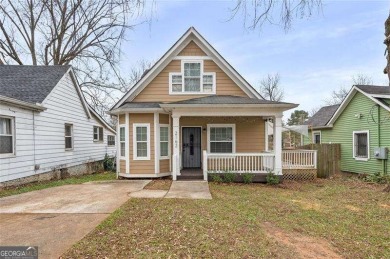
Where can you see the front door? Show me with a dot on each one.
(191, 147)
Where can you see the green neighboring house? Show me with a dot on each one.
(361, 124)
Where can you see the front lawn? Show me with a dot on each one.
(325, 219)
(47, 184)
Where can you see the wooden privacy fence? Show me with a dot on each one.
(328, 158)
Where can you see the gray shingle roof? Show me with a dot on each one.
(29, 83)
(374, 89)
(322, 117)
(140, 105)
(226, 99)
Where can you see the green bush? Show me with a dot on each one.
(272, 179)
(108, 163)
(247, 178)
(377, 178)
(216, 178)
(229, 177)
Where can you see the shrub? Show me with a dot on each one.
(108, 163)
(272, 179)
(247, 178)
(216, 178)
(229, 177)
(377, 178)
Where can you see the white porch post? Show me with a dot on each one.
(176, 147)
(278, 145)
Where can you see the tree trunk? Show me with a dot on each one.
(387, 43)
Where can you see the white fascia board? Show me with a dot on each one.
(134, 110)
(21, 104)
(102, 120)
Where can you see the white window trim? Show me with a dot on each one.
(13, 134)
(98, 134)
(72, 136)
(135, 125)
(169, 141)
(124, 141)
(233, 126)
(368, 145)
(202, 73)
(317, 132)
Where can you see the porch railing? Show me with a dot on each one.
(237, 162)
(299, 159)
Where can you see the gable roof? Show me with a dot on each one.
(31, 84)
(190, 35)
(373, 92)
(321, 118)
(101, 119)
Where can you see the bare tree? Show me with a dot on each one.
(361, 79)
(281, 12)
(86, 34)
(270, 88)
(387, 43)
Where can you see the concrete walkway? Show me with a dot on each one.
(55, 218)
(189, 190)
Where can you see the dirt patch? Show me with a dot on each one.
(353, 208)
(159, 184)
(308, 205)
(386, 206)
(304, 246)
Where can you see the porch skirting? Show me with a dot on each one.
(144, 175)
(257, 178)
(299, 174)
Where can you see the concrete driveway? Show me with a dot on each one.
(54, 219)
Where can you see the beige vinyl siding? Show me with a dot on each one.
(122, 166)
(158, 89)
(122, 119)
(249, 131)
(141, 166)
(164, 166)
(164, 118)
(192, 50)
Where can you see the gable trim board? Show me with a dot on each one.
(349, 97)
(21, 104)
(190, 35)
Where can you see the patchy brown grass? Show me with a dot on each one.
(295, 220)
(159, 184)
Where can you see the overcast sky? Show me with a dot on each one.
(318, 55)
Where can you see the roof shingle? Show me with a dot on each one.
(29, 83)
(374, 89)
(322, 117)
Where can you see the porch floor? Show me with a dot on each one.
(190, 174)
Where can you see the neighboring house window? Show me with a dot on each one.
(192, 79)
(361, 146)
(221, 138)
(110, 140)
(164, 141)
(7, 135)
(97, 133)
(141, 141)
(317, 137)
(68, 136)
(122, 141)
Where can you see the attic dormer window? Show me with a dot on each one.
(192, 79)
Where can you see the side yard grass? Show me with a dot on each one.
(250, 221)
(47, 184)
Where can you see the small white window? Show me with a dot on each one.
(317, 137)
(361, 145)
(97, 133)
(68, 136)
(110, 140)
(221, 138)
(141, 141)
(208, 82)
(164, 141)
(122, 141)
(7, 136)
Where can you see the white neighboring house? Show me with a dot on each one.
(47, 126)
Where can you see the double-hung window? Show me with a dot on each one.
(317, 137)
(192, 79)
(221, 138)
(361, 145)
(68, 136)
(164, 141)
(7, 136)
(110, 140)
(97, 133)
(141, 141)
(122, 141)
